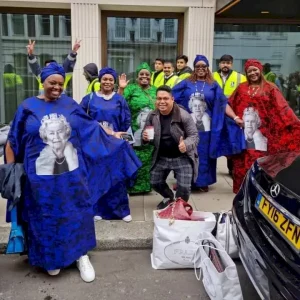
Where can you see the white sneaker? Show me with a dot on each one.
(127, 219)
(53, 272)
(97, 218)
(86, 269)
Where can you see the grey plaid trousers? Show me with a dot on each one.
(183, 170)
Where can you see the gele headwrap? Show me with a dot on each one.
(201, 58)
(143, 66)
(109, 71)
(253, 63)
(52, 68)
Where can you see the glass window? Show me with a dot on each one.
(145, 28)
(120, 27)
(45, 25)
(31, 25)
(18, 24)
(169, 29)
(278, 45)
(142, 40)
(67, 25)
(56, 26)
(18, 79)
(4, 25)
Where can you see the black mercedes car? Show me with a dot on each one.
(266, 214)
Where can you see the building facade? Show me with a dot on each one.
(123, 35)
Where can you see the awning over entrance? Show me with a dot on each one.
(275, 9)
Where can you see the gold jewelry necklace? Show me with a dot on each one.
(254, 91)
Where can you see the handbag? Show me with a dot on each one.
(177, 210)
(225, 234)
(219, 273)
(16, 242)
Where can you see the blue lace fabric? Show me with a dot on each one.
(70, 163)
(221, 137)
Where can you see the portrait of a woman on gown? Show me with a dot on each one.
(59, 156)
(254, 137)
(141, 121)
(198, 107)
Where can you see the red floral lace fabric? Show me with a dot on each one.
(277, 126)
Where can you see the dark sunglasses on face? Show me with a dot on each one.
(198, 67)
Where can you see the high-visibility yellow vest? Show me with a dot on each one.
(159, 80)
(172, 81)
(94, 86)
(41, 87)
(11, 80)
(184, 76)
(232, 82)
(270, 77)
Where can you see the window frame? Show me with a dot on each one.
(105, 14)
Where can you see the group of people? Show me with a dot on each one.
(82, 160)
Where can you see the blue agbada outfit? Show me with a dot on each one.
(70, 163)
(218, 134)
(115, 114)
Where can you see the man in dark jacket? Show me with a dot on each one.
(175, 147)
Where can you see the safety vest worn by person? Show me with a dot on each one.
(270, 77)
(41, 88)
(172, 81)
(94, 86)
(185, 73)
(11, 80)
(232, 82)
(157, 79)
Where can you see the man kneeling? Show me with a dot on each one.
(175, 147)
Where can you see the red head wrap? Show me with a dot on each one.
(253, 63)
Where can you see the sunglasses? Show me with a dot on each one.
(198, 67)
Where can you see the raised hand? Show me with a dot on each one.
(76, 46)
(30, 47)
(123, 81)
(182, 146)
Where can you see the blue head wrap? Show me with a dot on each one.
(109, 71)
(52, 68)
(201, 58)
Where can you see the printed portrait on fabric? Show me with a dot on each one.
(141, 121)
(59, 156)
(198, 106)
(254, 138)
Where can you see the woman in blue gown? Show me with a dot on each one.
(204, 99)
(70, 162)
(111, 111)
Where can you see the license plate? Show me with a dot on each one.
(282, 224)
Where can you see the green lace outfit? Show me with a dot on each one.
(141, 101)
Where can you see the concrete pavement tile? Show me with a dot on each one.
(221, 186)
(136, 201)
(137, 213)
(3, 212)
(213, 202)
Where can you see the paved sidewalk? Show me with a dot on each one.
(138, 234)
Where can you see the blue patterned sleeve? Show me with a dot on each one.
(84, 102)
(102, 153)
(125, 115)
(178, 92)
(16, 136)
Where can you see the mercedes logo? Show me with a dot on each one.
(275, 190)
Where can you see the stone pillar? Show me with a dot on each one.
(199, 30)
(85, 20)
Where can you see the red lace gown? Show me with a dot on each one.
(270, 126)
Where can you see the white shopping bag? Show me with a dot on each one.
(174, 245)
(225, 234)
(219, 285)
